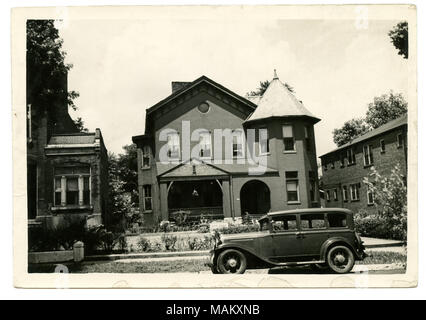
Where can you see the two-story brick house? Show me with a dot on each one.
(67, 170)
(264, 161)
(345, 167)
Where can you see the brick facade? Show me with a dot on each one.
(336, 177)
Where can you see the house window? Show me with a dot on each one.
(288, 138)
(368, 155)
(332, 164)
(147, 198)
(205, 145)
(335, 194)
(263, 141)
(342, 160)
(370, 196)
(292, 184)
(237, 144)
(146, 157)
(173, 146)
(327, 195)
(72, 186)
(400, 140)
(351, 156)
(325, 166)
(354, 189)
(345, 193)
(307, 139)
(382, 146)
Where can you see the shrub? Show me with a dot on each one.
(144, 244)
(201, 244)
(169, 242)
(390, 198)
(370, 225)
(242, 228)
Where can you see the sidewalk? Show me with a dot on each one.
(369, 243)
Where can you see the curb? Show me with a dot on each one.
(112, 257)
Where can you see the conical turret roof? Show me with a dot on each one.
(277, 101)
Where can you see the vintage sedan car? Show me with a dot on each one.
(320, 237)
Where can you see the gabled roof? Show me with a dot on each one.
(250, 105)
(277, 102)
(401, 121)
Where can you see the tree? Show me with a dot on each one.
(79, 123)
(263, 85)
(399, 38)
(127, 170)
(46, 68)
(385, 108)
(349, 131)
(390, 198)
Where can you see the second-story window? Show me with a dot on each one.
(146, 157)
(354, 189)
(368, 155)
(342, 160)
(370, 196)
(237, 144)
(263, 141)
(205, 145)
(351, 156)
(345, 193)
(382, 146)
(335, 194)
(400, 140)
(173, 151)
(288, 137)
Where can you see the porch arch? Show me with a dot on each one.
(255, 198)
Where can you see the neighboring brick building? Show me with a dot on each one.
(199, 183)
(345, 167)
(67, 170)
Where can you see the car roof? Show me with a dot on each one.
(307, 210)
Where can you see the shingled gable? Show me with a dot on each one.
(279, 102)
(203, 79)
(186, 169)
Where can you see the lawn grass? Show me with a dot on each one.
(384, 257)
(189, 265)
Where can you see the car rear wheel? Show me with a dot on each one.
(231, 261)
(340, 259)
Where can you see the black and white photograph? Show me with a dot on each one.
(215, 146)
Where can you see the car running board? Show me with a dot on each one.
(298, 263)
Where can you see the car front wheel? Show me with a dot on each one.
(231, 261)
(340, 259)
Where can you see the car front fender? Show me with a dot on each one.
(243, 248)
(333, 241)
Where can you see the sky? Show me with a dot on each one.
(122, 67)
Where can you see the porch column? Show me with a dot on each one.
(163, 201)
(63, 191)
(80, 190)
(226, 199)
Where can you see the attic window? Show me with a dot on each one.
(203, 107)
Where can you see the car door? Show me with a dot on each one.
(314, 233)
(286, 239)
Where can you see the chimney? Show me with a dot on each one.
(177, 85)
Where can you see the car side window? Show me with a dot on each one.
(336, 220)
(312, 221)
(284, 223)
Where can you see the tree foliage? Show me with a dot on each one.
(46, 67)
(122, 182)
(390, 198)
(399, 38)
(263, 85)
(79, 123)
(385, 108)
(349, 131)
